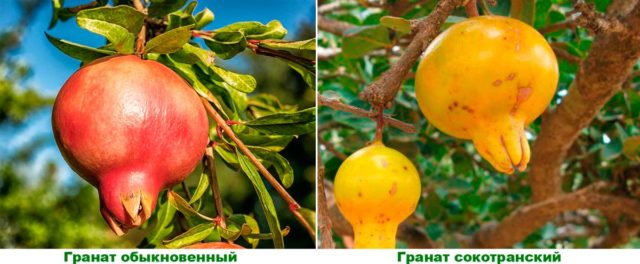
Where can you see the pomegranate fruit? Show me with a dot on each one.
(131, 128)
(376, 188)
(214, 245)
(485, 79)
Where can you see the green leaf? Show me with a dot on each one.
(203, 186)
(164, 224)
(303, 48)
(170, 41)
(192, 236)
(633, 104)
(185, 208)
(160, 8)
(124, 16)
(203, 18)
(265, 199)
(267, 236)
(229, 156)
(226, 44)
(249, 222)
(188, 72)
(308, 75)
(191, 54)
(256, 30)
(360, 41)
(282, 166)
(57, 5)
(106, 21)
(309, 215)
(398, 24)
(182, 17)
(297, 123)
(267, 104)
(524, 10)
(234, 231)
(83, 53)
(271, 142)
(242, 82)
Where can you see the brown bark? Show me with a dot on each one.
(599, 77)
(519, 224)
(337, 105)
(335, 27)
(382, 91)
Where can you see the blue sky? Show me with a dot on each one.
(51, 67)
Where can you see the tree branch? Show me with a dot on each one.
(81, 7)
(335, 27)
(326, 236)
(382, 91)
(215, 188)
(142, 35)
(523, 221)
(593, 86)
(337, 105)
(293, 205)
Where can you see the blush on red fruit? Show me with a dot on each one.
(131, 128)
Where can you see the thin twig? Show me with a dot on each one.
(293, 205)
(331, 149)
(215, 188)
(472, 8)
(142, 35)
(568, 24)
(337, 105)
(185, 189)
(326, 237)
(81, 7)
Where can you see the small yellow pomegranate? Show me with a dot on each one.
(485, 79)
(376, 188)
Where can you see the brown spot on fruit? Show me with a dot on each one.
(511, 76)
(468, 109)
(360, 194)
(523, 94)
(394, 189)
(455, 104)
(404, 168)
(497, 82)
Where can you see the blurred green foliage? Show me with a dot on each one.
(462, 190)
(37, 211)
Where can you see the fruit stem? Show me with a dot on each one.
(472, 8)
(215, 188)
(263, 170)
(142, 35)
(379, 125)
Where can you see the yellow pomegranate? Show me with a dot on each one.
(485, 79)
(376, 188)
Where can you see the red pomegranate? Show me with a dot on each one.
(131, 128)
